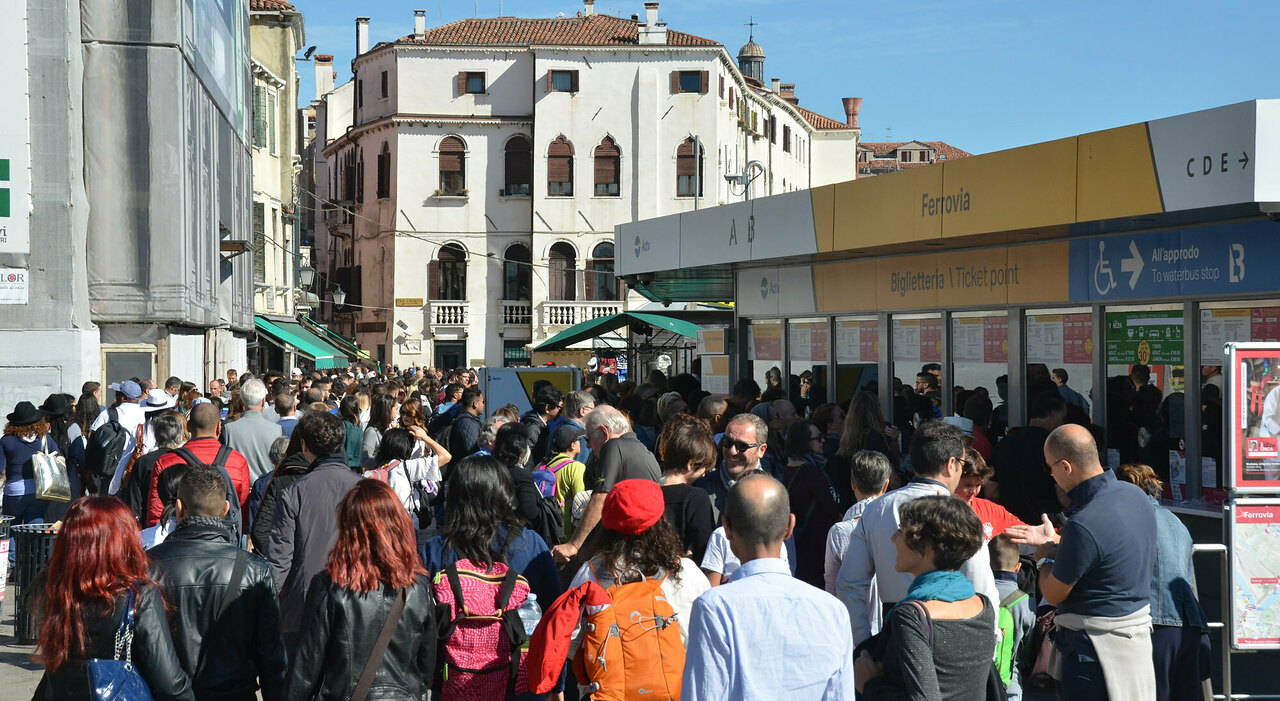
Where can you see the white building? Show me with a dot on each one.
(473, 173)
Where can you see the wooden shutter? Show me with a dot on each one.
(705, 77)
(462, 83)
(519, 163)
(433, 279)
(675, 82)
(550, 83)
(721, 87)
(606, 168)
(573, 81)
(559, 168)
(450, 161)
(590, 283)
(684, 159)
(732, 104)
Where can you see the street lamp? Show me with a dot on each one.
(306, 276)
(339, 296)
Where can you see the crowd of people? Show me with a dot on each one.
(350, 534)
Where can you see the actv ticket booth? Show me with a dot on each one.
(1155, 243)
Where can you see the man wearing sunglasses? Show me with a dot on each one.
(743, 445)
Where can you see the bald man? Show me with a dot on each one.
(1099, 575)
(736, 630)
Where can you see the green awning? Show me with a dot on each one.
(305, 341)
(336, 340)
(598, 327)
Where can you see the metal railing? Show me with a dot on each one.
(1221, 551)
(570, 313)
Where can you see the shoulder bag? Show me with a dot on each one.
(117, 679)
(379, 648)
(52, 483)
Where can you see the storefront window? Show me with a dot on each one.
(808, 350)
(857, 348)
(979, 360)
(917, 367)
(1059, 349)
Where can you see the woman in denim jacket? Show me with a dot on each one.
(1180, 638)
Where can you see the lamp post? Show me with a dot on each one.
(339, 297)
(306, 276)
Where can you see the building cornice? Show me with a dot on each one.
(407, 120)
(261, 71)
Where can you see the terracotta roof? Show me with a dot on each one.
(270, 6)
(818, 121)
(592, 30)
(885, 148)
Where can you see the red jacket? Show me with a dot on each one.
(205, 449)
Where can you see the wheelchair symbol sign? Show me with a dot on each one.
(1103, 279)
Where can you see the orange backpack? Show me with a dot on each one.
(631, 650)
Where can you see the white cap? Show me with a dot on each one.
(297, 372)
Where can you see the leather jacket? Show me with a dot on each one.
(340, 628)
(153, 654)
(194, 567)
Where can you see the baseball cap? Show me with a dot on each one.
(297, 372)
(566, 436)
(128, 388)
(965, 425)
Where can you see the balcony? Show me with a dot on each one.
(338, 219)
(445, 313)
(557, 316)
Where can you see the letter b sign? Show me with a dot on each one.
(1235, 266)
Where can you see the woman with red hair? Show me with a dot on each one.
(96, 560)
(372, 571)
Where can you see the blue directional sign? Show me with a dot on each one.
(1214, 260)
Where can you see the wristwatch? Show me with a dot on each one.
(1043, 561)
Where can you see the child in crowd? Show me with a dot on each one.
(1016, 615)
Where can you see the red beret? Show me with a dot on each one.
(633, 506)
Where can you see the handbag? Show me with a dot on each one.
(117, 679)
(52, 483)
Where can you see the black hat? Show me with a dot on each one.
(25, 414)
(56, 405)
(565, 436)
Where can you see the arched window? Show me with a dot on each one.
(384, 171)
(519, 167)
(453, 163)
(563, 262)
(517, 273)
(447, 275)
(608, 168)
(602, 285)
(560, 168)
(689, 169)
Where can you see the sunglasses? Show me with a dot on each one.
(1048, 467)
(739, 445)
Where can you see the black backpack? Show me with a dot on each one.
(105, 447)
(550, 521)
(232, 519)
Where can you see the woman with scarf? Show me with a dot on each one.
(937, 642)
(813, 500)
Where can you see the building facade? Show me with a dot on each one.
(133, 195)
(473, 174)
(880, 157)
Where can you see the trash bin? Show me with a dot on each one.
(4, 556)
(34, 545)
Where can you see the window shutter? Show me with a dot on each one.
(259, 116)
(356, 295)
(721, 87)
(574, 81)
(450, 161)
(590, 282)
(684, 159)
(675, 82)
(706, 80)
(433, 279)
(462, 84)
(731, 102)
(559, 168)
(550, 82)
(606, 168)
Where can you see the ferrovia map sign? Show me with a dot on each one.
(1254, 547)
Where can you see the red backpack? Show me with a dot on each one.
(482, 658)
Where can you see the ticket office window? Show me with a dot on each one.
(979, 362)
(764, 354)
(857, 349)
(1059, 352)
(1143, 356)
(917, 352)
(808, 353)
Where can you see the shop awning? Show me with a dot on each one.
(306, 342)
(336, 340)
(598, 327)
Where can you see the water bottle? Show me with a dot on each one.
(530, 613)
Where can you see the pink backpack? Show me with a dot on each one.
(482, 657)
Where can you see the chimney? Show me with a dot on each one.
(362, 35)
(851, 107)
(788, 93)
(324, 75)
(588, 8)
(419, 24)
(777, 85)
(652, 32)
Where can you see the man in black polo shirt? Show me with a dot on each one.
(617, 455)
(1099, 576)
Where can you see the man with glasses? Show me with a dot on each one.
(547, 402)
(743, 446)
(619, 456)
(937, 455)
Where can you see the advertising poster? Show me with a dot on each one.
(1253, 422)
(767, 340)
(1255, 573)
(857, 342)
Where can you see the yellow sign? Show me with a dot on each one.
(409, 301)
(1144, 352)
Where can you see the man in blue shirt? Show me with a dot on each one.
(737, 631)
(1099, 576)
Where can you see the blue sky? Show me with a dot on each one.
(982, 75)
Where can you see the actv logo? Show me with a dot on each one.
(642, 246)
(767, 288)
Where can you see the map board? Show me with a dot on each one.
(1254, 548)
